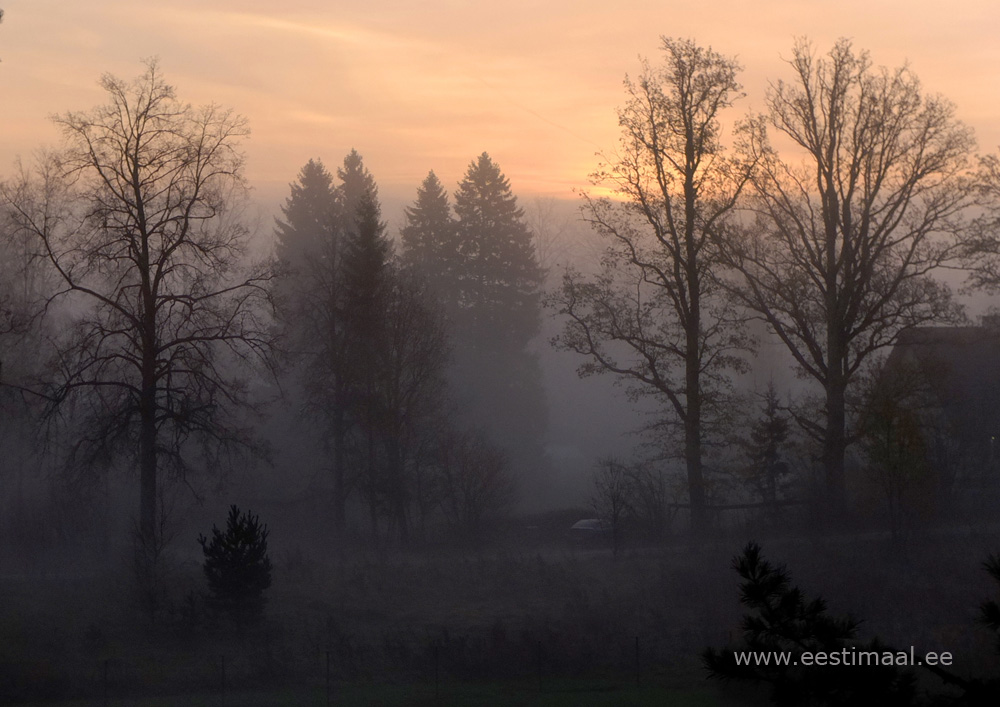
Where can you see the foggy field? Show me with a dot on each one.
(549, 626)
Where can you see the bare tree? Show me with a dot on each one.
(476, 481)
(139, 218)
(655, 499)
(411, 388)
(981, 249)
(614, 497)
(845, 245)
(655, 315)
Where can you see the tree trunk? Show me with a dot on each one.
(834, 444)
(147, 463)
(339, 485)
(692, 455)
(692, 424)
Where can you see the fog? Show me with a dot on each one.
(338, 420)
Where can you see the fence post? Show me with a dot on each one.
(637, 668)
(223, 681)
(105, 682)
(436, 653)
(538, 662)
(328, 679)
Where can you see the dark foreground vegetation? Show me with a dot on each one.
(548, 624)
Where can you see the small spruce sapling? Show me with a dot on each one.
(237, 567)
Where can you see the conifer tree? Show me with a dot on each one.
(783, 621)
(496, 314)
(307, 217)
(237, 566)
(429, 240)
(500, 277)
(311, 298)
(367, 277)
(767, 471)
(356, 183)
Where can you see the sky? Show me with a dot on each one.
(420, 86)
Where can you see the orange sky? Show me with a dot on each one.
(415, 86)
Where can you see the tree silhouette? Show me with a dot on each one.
(429, 241)
(656, 316)
(311, 302)
(495, 314)
(843, 250)
(500, 277)
(139, 218)
(768, 471)
(237, 566)
(784, 621)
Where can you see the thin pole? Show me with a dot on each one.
(328, 679)
(437, 673)
(637, 671)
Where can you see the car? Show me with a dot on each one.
(590, 530)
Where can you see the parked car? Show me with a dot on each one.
(590, 530)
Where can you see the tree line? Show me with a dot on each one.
(138, 331)
(128, 269)
(375, 338)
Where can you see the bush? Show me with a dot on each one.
(237, 567)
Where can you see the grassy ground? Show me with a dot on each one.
(511, 694)
(489, 624)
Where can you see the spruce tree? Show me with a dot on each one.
(307, 217)
(429, 244)
(311, 309)
(356, 184)
(367, 273)
(500, 277)
(497, 313)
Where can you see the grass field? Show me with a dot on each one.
(549, 625)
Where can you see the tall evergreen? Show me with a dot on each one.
(429, 240)
(497, 313)
(367, 264)
(307, 217)
(356, 184)
(500, 277)
(311, 297)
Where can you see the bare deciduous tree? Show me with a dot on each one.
(476, 481)
(845, 245)
(655, 315)
(614, 496)
(139, 218)
(981, 249)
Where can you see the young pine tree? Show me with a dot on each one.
(782, 621)
(237, 567)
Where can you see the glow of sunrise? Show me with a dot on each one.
(427, 86)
